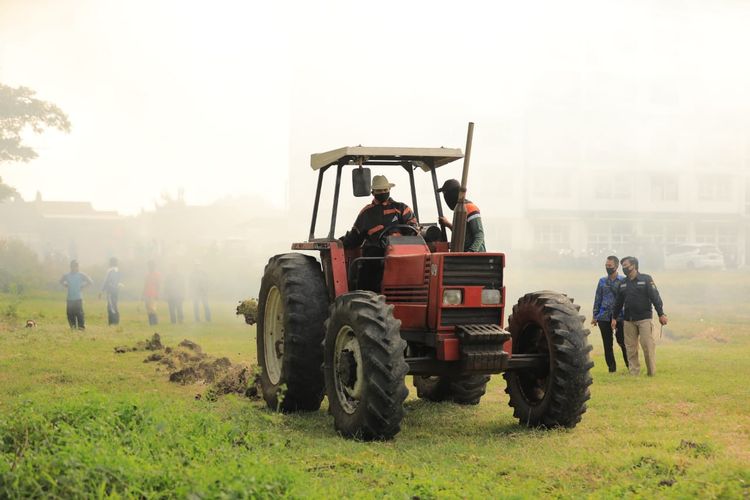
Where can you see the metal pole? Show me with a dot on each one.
(458, 235)
(408, 168)
(335, 202)
(317, 202)
(435, 188)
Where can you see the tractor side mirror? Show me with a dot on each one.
(361, 182)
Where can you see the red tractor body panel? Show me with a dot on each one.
(406, 283)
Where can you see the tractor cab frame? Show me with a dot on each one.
(341, 266)
(427, 159)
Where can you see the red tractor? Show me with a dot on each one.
(438, 317)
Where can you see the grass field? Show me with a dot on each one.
(78, 420)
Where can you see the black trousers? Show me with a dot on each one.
(75, 314)
(605, 327)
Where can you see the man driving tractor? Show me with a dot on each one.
(371, 222)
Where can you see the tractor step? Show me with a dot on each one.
(482, 335)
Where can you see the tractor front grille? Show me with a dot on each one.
(473, 270)
(470, 316)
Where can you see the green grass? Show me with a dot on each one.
(78, 420)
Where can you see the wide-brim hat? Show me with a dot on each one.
(381, 182)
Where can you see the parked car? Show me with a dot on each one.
(694, 256)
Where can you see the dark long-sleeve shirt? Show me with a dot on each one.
(636, 296)
(374, 218)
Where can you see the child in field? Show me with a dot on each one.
(75, 281)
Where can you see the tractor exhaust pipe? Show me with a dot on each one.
(458, 235)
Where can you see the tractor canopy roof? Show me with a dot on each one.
(424, 158)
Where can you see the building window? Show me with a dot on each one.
(609, 237)
(652, 232)
(664, 188)
(675, 233)
(552, 235)
(714, 188)
(550, 185)
(716, 234)
(610, 188)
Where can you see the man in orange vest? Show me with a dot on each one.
(474, 241)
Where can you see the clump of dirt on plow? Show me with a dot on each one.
(188, 364)
(249, 309)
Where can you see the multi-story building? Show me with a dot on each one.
(594, 193)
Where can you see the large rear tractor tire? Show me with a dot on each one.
(364, 367)
(292, 309)
(463, 390)
(554, 395)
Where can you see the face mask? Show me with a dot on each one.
(626, 270)
(381, 197)
(610, 270)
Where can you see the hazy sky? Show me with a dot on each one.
(220, 97)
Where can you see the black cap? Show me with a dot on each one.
(450, 185)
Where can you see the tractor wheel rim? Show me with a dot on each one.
(348, 370)
(535, 386)
(273, 333)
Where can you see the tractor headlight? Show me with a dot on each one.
(452, 297)
(490, 296)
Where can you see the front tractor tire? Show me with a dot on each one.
(364, 367)
(463, 389)
(292, 309)
(555, 394)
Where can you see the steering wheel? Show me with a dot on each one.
(391, 229)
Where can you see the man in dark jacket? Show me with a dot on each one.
(372, 222)
(474, 240)
(637, 293)
(604, 301)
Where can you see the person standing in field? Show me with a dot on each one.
(75, 281)
(199, 292)
(111, 288)
(604, 302)
(151, 292)
(636, 294)
(174, 290)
